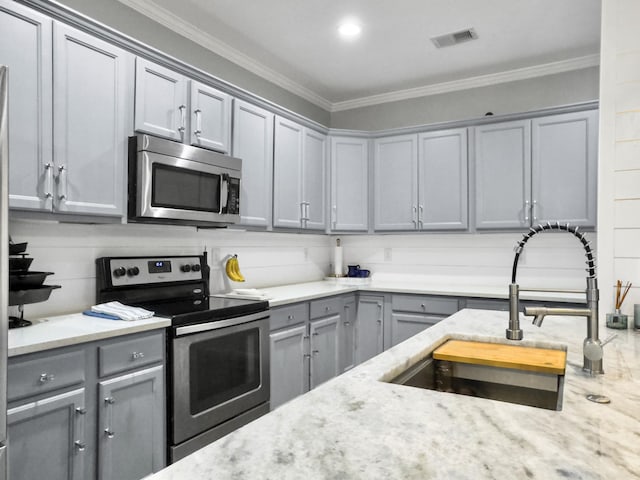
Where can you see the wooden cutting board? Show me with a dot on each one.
(542, 360)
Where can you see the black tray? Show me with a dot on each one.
(19, 264)
(31, 295)
(24, 280)
(16, 248)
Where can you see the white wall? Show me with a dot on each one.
(549, 260)
(619, 174)
(70, 250)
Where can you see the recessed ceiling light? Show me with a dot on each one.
(349, 29)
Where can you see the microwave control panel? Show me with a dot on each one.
(233, 197)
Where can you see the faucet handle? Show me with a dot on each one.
(593, 349)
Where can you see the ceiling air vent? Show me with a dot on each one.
(454, 38)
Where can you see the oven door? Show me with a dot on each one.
(179, 189)
(220, 370)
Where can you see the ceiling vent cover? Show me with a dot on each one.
(454, 38)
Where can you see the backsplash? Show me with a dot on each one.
(550, 260)
(70, 250)
(268, 259)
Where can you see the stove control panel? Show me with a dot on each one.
(128, 271)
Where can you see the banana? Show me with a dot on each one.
(232, 269)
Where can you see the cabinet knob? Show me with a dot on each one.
(137, 355)
(110, 400)
(315, 352)
(79, 446)
(327, 309)
(81, 411)
(290, 317)
(109, 433)
(379, 321)
(46, 378)
(422, 306)
(346, 324)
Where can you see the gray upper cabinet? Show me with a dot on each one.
(30, 104)
(314, 158)
(503, 175)
(349, 184)
(395, 186)
(72, 87)
(210, 118)
(92, 112)
(298, 176)
(442, 180)
(253, 143)
(564, 168)
(538, 170)
(161, 101)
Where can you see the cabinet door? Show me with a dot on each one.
(210, 118)
(395, 186)
(368, 331)
(347, 334)
(406, 325)
(253, 143)
(161, 101)
(442, 180)
(131, 433)
(314, 157)
(564, 168)
(92, 105)
(48, 439)
(289, 365)
(25, 47)
(349, 184)
(325, 346)
(287, 174)
(503, 175)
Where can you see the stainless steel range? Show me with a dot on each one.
(217, 348)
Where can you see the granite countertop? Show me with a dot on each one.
(358, 427)
(64, 330)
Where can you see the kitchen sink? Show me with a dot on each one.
(520, 384)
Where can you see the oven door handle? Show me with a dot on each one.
(218, 324)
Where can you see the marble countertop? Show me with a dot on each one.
(356, 426)
(64, 330)
(285, 294)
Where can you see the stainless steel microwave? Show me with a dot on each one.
(179, 184)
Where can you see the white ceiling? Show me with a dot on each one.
(295, 43)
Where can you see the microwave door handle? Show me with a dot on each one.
(224, 192)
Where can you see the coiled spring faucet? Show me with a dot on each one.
(592, 346)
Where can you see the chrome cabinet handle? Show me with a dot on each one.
(46, 378)
(183, 118)
(198, 114)
(526, 210)
(414, 209)
(109, 401)
(62, 182)
(137, 355)
(334, 216)
(315, 352)
(534, 213)
(48, 184)
(302, 214)
(79, 445)
(420, 212)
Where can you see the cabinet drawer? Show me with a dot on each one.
(290, 315)
(130, 354)
(325, 307)
(28, 376)
(421, 304)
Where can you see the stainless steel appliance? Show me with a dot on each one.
(218, 348)
(179, 184)
(4, 265)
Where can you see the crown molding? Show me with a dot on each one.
(472, 82)
(162, 16)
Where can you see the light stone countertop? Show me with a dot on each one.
(358, 427)
(64, 330)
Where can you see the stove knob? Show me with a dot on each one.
(119, 272)
(133, 271)
(195, 267)
(185, 268)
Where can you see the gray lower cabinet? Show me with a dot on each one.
(325, 347)
(369, 327)
(131, 417)
(48, 435)
(348, 333)
(95, 410)
(413, 313)
(289, 366)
